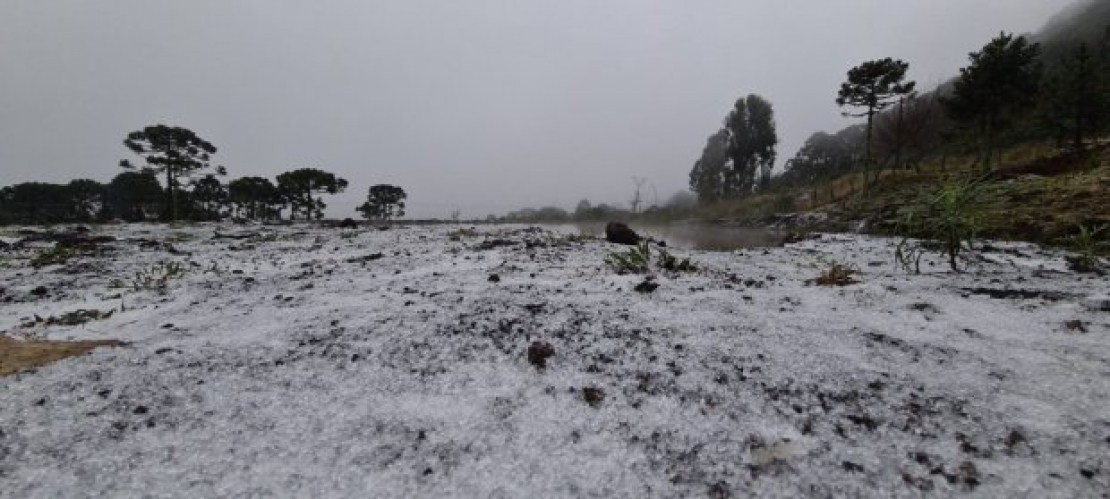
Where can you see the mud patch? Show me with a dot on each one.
(17, 356)
(1018, 294)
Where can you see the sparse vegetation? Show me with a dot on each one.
(180, 237)
(1088, 247)
(637, 260)
(838, 274)
(671, 263)
(261, 237)
(459, 234)
(946, 221)
(154, 278)
(57, 255)
(570, 239)
(74, 318)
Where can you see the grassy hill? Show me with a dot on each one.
(1038, 192)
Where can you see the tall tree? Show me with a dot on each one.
(1076, 95)
(298, 187)
(86, 198)
(384, 202)
(752, 142)
(823, 157)
(254, 197)
(911, 133)
(582, 210)
(37, 203)
(133, 196)
(177, 152)
(997, 88)
(211, 196)
(708, 176)
(872, 87)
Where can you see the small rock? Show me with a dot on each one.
(539, 352)
(494, 278)
(619, 233)
(1075, 325)
(969, 474)
(496, 243)
(719, 490)
(39, 291)
(593, 396)
(646, 287)
(925, 307)
(367, 258)
(853, 467)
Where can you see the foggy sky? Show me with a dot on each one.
(482, 105)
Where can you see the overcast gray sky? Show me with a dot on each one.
(482, 105)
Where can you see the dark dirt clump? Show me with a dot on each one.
(593, 396)
(539, 352)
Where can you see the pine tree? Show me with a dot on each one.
(996, 90)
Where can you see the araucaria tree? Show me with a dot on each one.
(298, 187)
(384, 202)
(872, 87)
(134, 196)
(177, 152)
(997, 89)
(752, 142)
(210, 195)
(254, 198)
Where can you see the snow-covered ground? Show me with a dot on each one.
(314, 362)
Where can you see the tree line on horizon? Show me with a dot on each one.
(181, 158)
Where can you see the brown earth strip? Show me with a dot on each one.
(17, 355)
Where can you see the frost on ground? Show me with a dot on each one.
(304, 361)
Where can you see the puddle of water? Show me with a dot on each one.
(687, 236)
